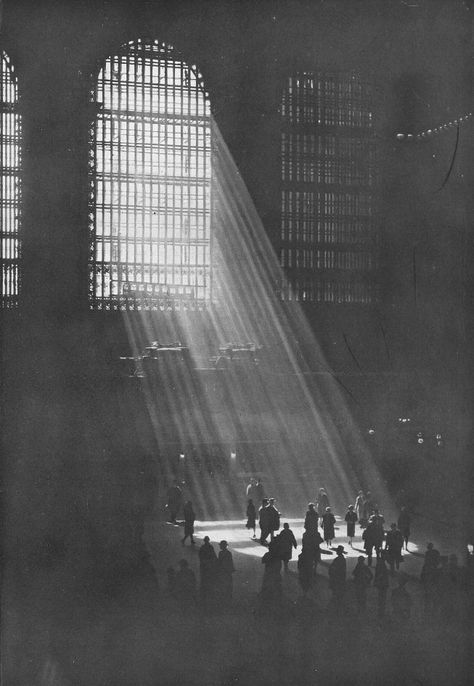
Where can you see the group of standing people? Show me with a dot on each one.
(215, 578)
(441, 578)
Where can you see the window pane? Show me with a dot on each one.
(328, 237)
(152, 180)
(10, 136)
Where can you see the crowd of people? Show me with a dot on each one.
(215, 578)
(444, 582)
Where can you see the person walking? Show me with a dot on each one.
(378, 521)
(404, 523)
(184, 589)
(207, 567)
(362, 579)
(393, 547)
(286, 542)
(432, 556)
(322, 502)
(259, 492)
(175, 498)
(350, 519)
(251, 491)
(311, 520)
(369, 537)
(251, 517)
(264, 521)
(311, 548)
(381, 583)
(305, 569)
(329, 521)
(359, 508)
(225, 569)
(271, 591)
(273, 518)
(401, 602)
(429, 578)
(369, 506)
(337, 578)
(189, 519)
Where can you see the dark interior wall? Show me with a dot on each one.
(59, 411)
(417, 59)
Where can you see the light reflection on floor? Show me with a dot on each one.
(240, 539)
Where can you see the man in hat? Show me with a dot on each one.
(225, 569)
(264, 521)
(337, 578)
(207, 565)
(273, 517)
(185, 585)
(393, 547)
(173, 505)
(362, 578)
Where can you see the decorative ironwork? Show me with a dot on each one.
(10, 164)
(328, 239)
(150, 171)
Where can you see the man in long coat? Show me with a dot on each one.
(263, 521)
(337, 578)
(225, 569)
(273, 517)
(207, 566)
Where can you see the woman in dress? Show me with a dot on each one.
(251, 517)
(323, 502)
(189, 518)
(329, 521)
(311, 520)
(350, 519)
(359, 507)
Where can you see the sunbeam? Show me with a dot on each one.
(231, 378)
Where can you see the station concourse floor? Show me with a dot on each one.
(130, 631)
(239, 646)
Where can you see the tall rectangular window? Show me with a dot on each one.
(150, 182)
(327, 189)
(10, 140)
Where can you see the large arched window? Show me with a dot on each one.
(10, 194)
(150, 182)
(328, 224)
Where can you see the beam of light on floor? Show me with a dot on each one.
(287, 418)
(240, 541)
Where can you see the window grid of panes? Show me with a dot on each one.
(151, 182)
(10, 162)
(328, 240)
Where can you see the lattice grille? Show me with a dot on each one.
(151, 182)
(10, 163)
(328, 243)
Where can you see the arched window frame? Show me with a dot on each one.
(10, 192)
(188, 254)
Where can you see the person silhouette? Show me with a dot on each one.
(350, 519)
(362, 578)
(189, 519)
(207, 567)
(286, 542)
(337, 578)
